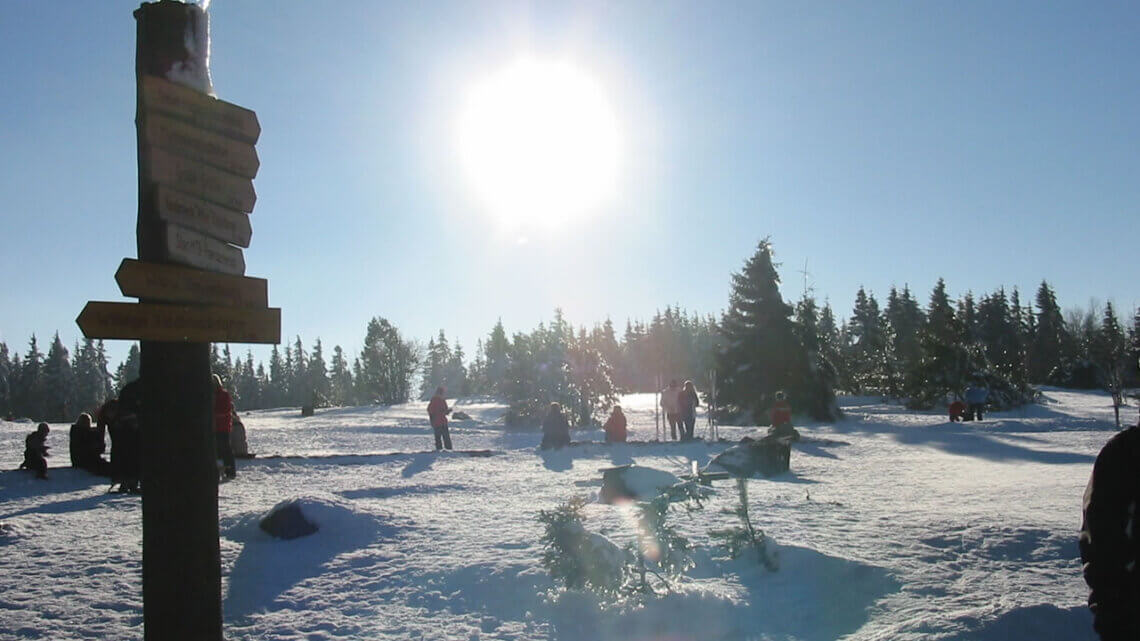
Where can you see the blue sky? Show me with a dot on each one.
(992, 144)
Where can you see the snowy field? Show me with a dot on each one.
(891, 525)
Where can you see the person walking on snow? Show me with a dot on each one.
(223, 424)
(687, 402)
(1110, 538)
(670, 398)
(615, 426)
(438, 410)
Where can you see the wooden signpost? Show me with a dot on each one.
(196, 168)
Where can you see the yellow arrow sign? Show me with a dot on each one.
(174, 284)
(180, 323)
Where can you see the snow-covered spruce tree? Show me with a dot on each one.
(58, 384)
(387, 364)
(761, 352)
(577, 558)
(661, 552)
(746, 538)
(1047, 349)
(945, 363)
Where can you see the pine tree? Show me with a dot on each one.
(1048, 347)
(1111, 350)
(867, 353)
(58, 383)
(762, 353)
(340, 380)
(6, 380)
(273, 393)
(318, 374)
(945, 363)
(497, 352)
(387, 364)
(128, 370)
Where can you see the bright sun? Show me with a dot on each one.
(539, 143)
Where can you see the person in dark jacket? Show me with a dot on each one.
(126, 439)
(615, 426)
(687, 402)
(555, 428)
(1110, 538)
(86, 446)
(36, 451)
(223, 424)
(438, 410)
(976, 396)
(956, 410)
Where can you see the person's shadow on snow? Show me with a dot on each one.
(419, 463)
(556, 460)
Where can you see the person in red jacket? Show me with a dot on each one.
(223, 424)
(615, 426)
(780, 418)
(957, 409)
(438, 410)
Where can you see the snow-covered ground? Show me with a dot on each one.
(891, 525)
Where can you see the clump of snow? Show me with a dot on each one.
(634, 482)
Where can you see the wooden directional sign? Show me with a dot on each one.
(180, 323)
(188, 247)
(174, 284)
(201, 145)
(203, 181)
(198, 109)
(210, 219)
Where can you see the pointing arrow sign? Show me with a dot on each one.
(214, 185)
(216, 222)
(171, 283)
(199, 109)
(180, 323)
(203, 146)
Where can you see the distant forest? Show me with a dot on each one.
(921, 354)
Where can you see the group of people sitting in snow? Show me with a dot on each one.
(119, 419)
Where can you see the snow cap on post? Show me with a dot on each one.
(180, 57)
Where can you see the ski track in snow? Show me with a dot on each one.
(892, 524)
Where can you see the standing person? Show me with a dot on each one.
(1110, 538)
(670, 399)
(438, 410)
(687, 402)
(238, 442)
(555, 429)
(976, 395)
(36, 451)
(126, 439)
(223, 424)
(615, 426)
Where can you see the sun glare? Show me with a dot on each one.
(539, 143)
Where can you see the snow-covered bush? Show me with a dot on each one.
(577, 558)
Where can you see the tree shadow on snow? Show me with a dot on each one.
(1043, 622)
(419, 463)
(985, 446)
(559, 460)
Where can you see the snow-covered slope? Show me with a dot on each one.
(891, 525)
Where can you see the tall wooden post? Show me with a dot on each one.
(181, 555)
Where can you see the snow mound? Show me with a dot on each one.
(634, 482)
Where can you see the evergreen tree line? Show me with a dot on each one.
(923, 354)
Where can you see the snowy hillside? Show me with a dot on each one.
(891, 525)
